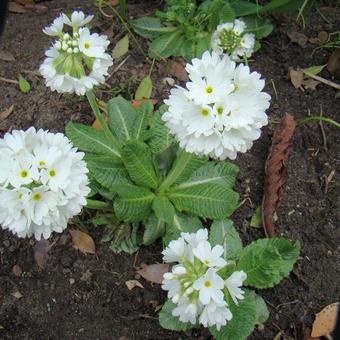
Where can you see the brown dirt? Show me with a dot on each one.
(85, 297)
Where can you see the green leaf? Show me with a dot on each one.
(122, 116)
(24, 85)
(150, 27)
(121, 48)
(314, 69)
(106, 171)
(268, 261)
(202, 45)
(220, 173)
(168, 321)
(138, 161)
(181, 223)
(185, 164)
(154, 228)
(91, 140)
(262, 312)
(163, 208)
(142, 120)
(161, 137)
(166, 45)
(224, 233)
(132, 242)
(243, 8)
(261, 27)
(165, 159)
(256, 219)
(133, 204)
(144, 89)
(243, 322)
(209, 200)
(187, 50)
(227, 13)
(275, 6)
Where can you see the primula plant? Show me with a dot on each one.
(186, 27)
(210, 283)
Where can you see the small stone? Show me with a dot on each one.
(17, 271)
(72, 281)
(86, 276)
(168, 81)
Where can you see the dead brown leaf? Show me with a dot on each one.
(325, 321)
(6, 56)
(176, 68)
(296, 77)
(4, 114)
(25, 2)
(96, 125)
(132, 284)
(276, 171)
(322, 37)
(40, 252)
(83, 242)
(299, 38)
(310, 84)
(14, 7)
(154, 272)
(16, 270)
(114, 2)
(136, 103)
(17, 295)
(333, 64)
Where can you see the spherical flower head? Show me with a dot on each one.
(233, 284)
(221, 110)
(230, 39)
(78, 60)
(43, 184)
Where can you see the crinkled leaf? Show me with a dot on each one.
(154, 228)
(131, 243)
(138, 161)
(165, 159)
(166, 45)
(243, 322)
(224, 233)
(261, 27)
(133, 203)
(150, 27)
(268, 261)
(209, 200)
(168, 321)
(163, 208)
(122, 117)
(243, 7)
(91, 140)
(142, 120)
(144, 89)
(262, 312)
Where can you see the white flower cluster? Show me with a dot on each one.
(43, 182)
(221, 110)
(229, 38)
(194, 283)
(77, 60)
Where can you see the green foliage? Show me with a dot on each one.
(147, 180)
(24, 85)
(185, 28)
(262, 312)
(121, 48)
(144, 89)
(268, 261)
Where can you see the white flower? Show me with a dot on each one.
(215, 314)
(187, 311)
(77, 61)
(194, 239)
(230, 39)
(172, 285)
(56, 28)
(44, 186)
(233, 284)
(210, 287)
(221, 111)
(210, 257)
(77, 20)
(175, 251)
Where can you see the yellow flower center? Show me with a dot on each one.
(20, 195)
(52, 173)
(205, 112)
(207, 284)
(36, 197)
(220, 110)
(42, 163)
(24, 173)
(209, 89)
(87, 45)
(206, 262)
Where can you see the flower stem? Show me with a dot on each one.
(99, 205)
(109, 135)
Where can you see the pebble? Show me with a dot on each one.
(72, 281)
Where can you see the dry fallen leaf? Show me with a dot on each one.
(298, 37)
(133, 283)
(17, 295)
(6, 56)
(96, 125)
(114, 2)
(136, 103)
(325, 321)
(40, 252)
(4, 114)
(296, 77)
(17, 271)
(176, 68)
(154, 272)
(83, 242)
(322, 37)
(333, 64)
(14, 7)
(276, 171)
(25, 2)
(310, 84)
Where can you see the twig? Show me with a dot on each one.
(11, 81)
(322, 80)
(328, 180)
(118, 67)
(323, 130)
(146, 316)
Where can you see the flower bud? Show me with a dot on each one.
(189, 291)
(176, 298)
(76, 35)
(179, 270)
(187, 284)
(74, 43)
(69, 43)
(168, 276)
(76, 50)
(57, 45)
(66, 36)
(64, 46)
(69, 50)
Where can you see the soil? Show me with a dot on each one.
(81, 296)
